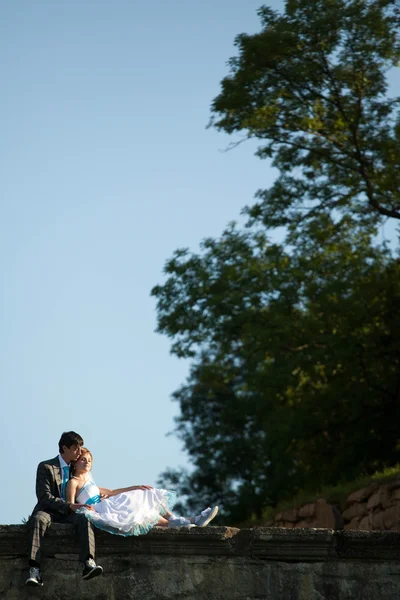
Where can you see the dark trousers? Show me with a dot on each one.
(41, 520)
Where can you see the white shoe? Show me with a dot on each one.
(205, 516)
(34, 578)
(91, 569)
(179, 522)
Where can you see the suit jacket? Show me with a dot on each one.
(48, 488)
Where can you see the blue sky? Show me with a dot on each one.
(106, 168)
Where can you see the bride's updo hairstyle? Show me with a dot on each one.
(83, 451)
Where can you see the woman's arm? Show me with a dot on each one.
(70, 491)
(107, 492)
(70, 494)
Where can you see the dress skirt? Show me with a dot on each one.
(131, 513)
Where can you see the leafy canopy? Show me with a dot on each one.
(295, 377)
(296, 363)
(312, 87)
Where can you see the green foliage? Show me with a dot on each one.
(295, 376)
(311, 86)
(296, 362)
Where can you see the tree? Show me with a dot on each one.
(296, 363)
(295, 378)
(312, 87)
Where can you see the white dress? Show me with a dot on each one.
(129, 513)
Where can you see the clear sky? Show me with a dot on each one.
(106, 168)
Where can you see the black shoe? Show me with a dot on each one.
(91, 569)
(34, 578)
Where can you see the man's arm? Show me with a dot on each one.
(44, 493)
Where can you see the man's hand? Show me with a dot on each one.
(75, 507)
(143, 487)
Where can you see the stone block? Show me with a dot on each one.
(304, 524)
(290, 515)
(353, 525)
(379, 499)
(288, 524)
(365, 523)
(355, 510)
(377, 521)
(362, 495)
(313, 523)
(308, 510)
(391, 517)
(395, 495)
(325, 515)
(394, 484)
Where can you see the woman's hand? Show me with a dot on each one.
(75, 507)
(142, 487)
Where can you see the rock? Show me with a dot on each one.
(365, 523)
(355, 510)
(377, 521)
(290, 515)
(288, 524)
(308, 510)
(394, 484)
(380, 498)
(313, 523)
(354, 523)
(324, 514)
(362, 495)
(304, 524)
(395, 495)
(391, 517)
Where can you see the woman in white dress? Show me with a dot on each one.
(126, 511)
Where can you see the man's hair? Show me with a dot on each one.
(69, 438)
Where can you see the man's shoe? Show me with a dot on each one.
(34, 578)
(179, 522)
(91, 569)
(205, 516)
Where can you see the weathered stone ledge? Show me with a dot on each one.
(271, 543)
(210, 563)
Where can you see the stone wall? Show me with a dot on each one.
(211, 563)
(375, 507)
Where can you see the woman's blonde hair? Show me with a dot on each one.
(83, 451)
(86, 451)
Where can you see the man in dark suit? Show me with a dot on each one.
(51, 481)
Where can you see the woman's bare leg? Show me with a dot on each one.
(167, 515)
(162, 522)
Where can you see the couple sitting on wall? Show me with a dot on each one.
(66, 493)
